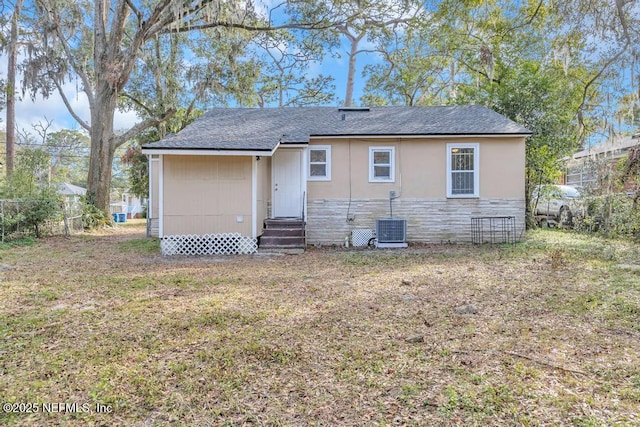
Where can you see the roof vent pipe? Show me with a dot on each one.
(343, 116)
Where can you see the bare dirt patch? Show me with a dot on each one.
(431, 335)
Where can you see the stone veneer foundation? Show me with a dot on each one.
(428, 220)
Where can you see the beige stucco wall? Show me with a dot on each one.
(206, 194)
(420, 168)
(350, 201)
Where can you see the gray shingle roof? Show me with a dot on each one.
(608, 147)
(259, 129)
(67, 189)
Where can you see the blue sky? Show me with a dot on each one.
(30, 112)
(52, 109)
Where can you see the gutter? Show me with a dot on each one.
(423, 136)
(210, 151)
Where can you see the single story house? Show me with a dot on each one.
(230, 177)
(72, 193)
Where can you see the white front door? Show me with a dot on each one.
(287, 183)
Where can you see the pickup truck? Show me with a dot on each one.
(558, 203)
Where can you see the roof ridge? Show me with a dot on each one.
(264, 128)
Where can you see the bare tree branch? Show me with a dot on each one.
(42, 129)
(118, 140)
(117, 27)
(67, 104)
(625, 30)
(70, 58)
(529, 21)
(136, 11)
(357, 52)
(136, 101)
(226, 24)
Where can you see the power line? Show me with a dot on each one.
(43, 146)
(49, 150)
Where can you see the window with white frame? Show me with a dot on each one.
(381, 164)
(462, 170)
(320, 163)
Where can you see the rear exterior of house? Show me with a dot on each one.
(235, 174)
(202, 195)
(423, 176)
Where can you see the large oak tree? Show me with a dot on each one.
(99, 43)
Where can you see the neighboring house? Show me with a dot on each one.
(129, 204)
(337, 170)
(135, 205)
(73, 206)
(589, 168)
(71, 193)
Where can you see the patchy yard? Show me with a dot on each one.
(545, 332)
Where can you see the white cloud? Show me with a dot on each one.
(125, 120)
(30, 112)
(264, 7)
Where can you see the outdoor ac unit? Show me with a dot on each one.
(391, 232)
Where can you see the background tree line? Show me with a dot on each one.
(567, 70)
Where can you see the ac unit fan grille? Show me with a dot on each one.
(391, 230)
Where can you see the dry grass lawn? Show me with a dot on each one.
(545, 332)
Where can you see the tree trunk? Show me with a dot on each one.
(348, 99)
(11, 88)
(103, 104)
(102, 148)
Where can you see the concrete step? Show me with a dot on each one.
(280, 251)
(283, 223)
(282, 242)
(283, 232)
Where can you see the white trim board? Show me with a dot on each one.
(254, 197)
(183, 152)
(160, 196)
(399, 136)
(152, 185)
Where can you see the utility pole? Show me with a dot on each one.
(11, 86)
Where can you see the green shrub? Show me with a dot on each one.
(28, 198)
(28, 216)
(92, 217)
(41, 210)
(614, 215)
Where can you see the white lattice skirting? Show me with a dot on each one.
(361, 236)
(208, 244)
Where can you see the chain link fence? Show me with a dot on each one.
(21, 218)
